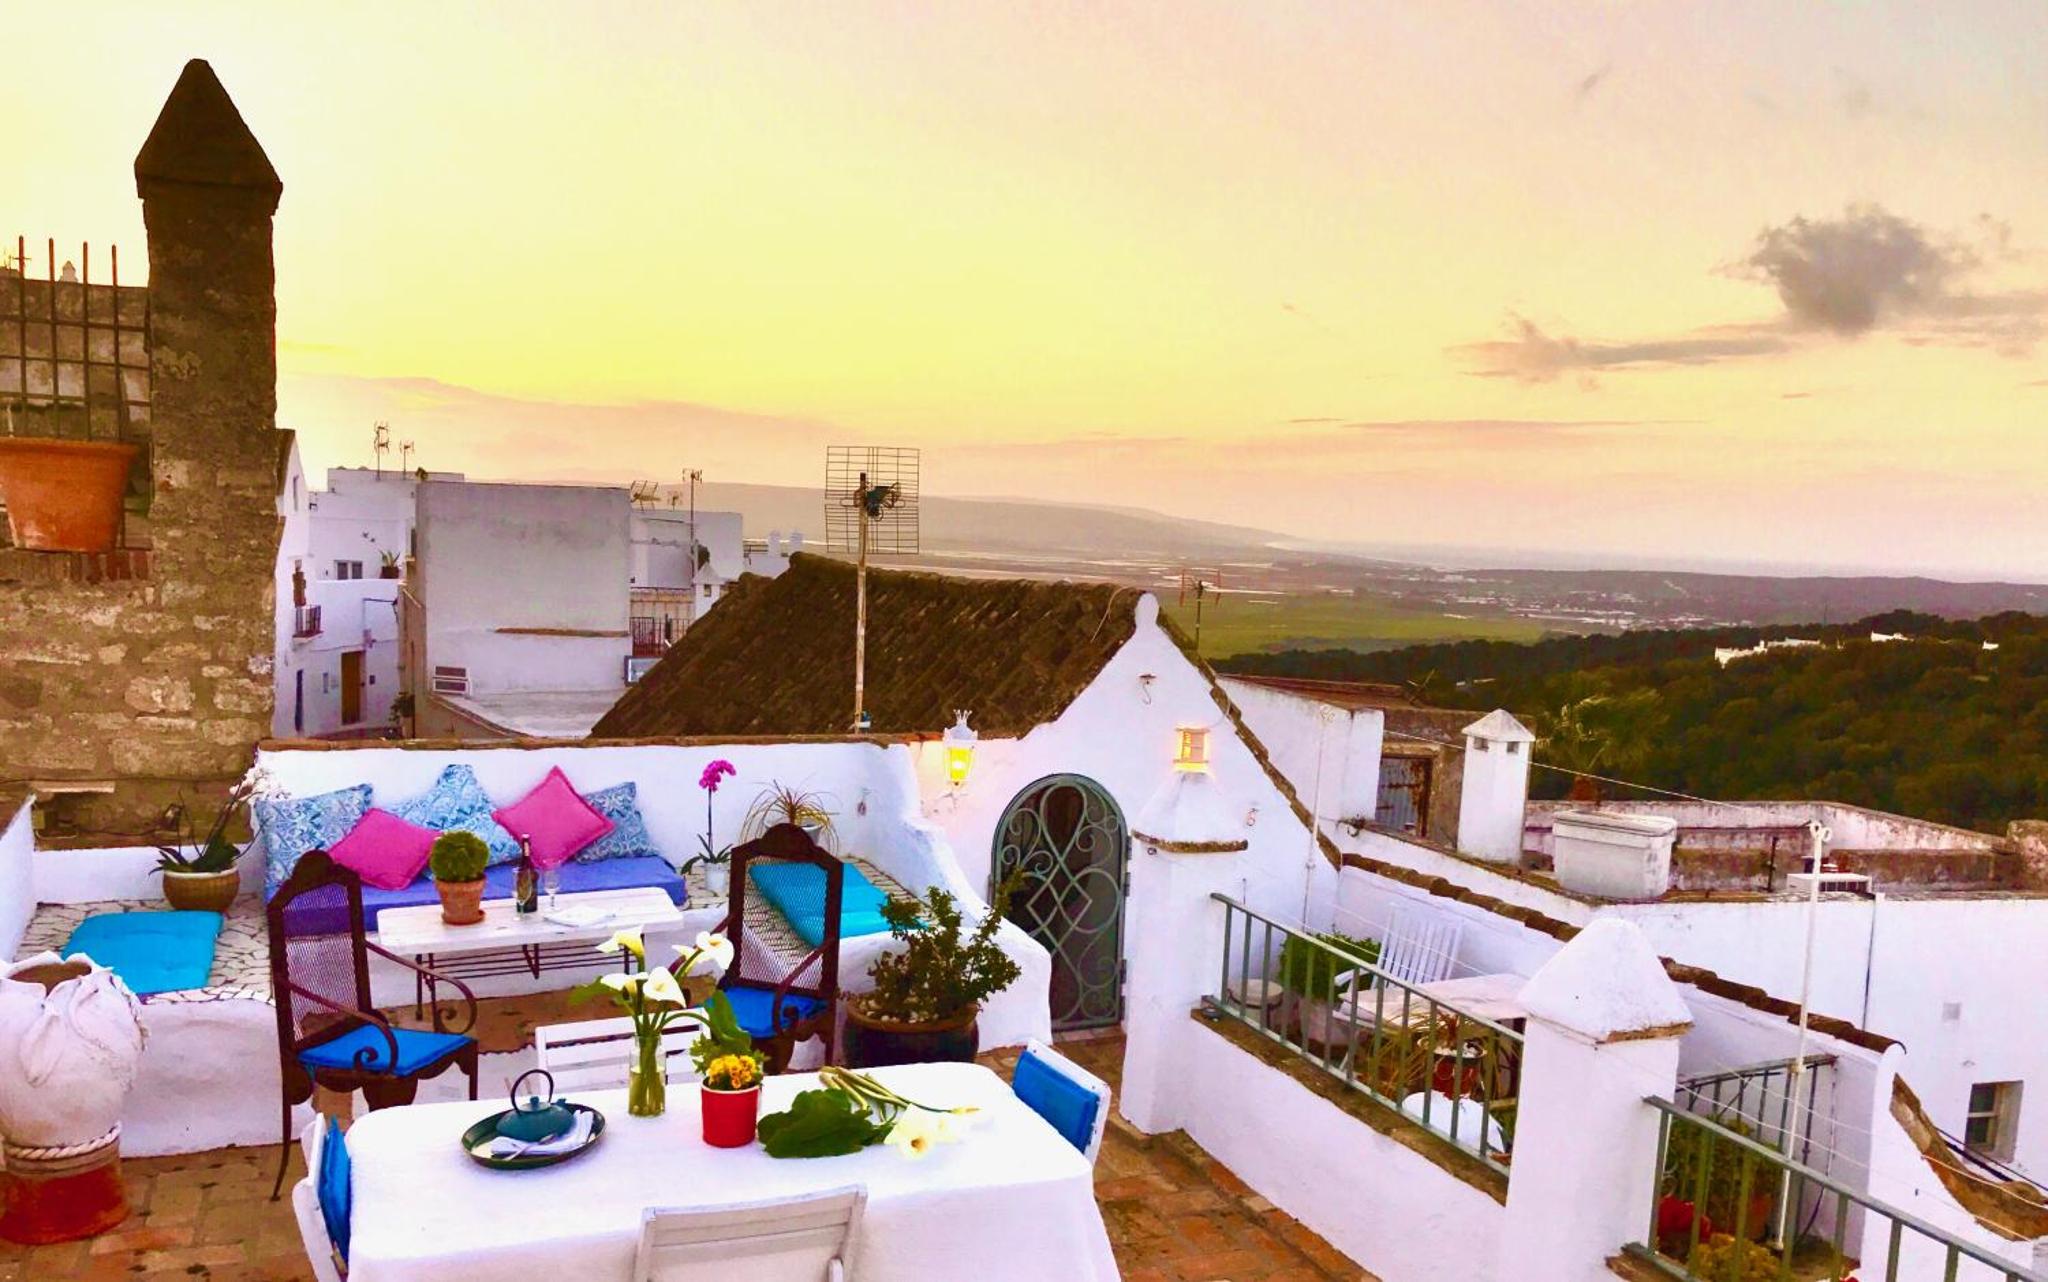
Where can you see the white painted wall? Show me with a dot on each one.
(17, 876)
(525, 556)
(1331, 755)
(1390, 1209)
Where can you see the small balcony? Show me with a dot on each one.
(305, 621)
(652, 635)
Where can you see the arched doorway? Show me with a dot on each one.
(1068, 836)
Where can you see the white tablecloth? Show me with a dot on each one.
(1012, 1200)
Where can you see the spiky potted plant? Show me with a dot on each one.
(457, 861)
(928, 995)
(200, 873)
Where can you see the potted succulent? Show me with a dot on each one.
(63, 491)
(458, 860)
(927, 996)
(387, 565)
(200, 874)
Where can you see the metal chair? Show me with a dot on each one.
(810, 1238)
(769, 1001)
(328, 1032)
(597, 1054)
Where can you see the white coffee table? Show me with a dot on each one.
(506, 943)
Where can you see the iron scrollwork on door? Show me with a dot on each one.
(1068, 836)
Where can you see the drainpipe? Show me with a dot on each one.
(1315, 811)
(1820, 834)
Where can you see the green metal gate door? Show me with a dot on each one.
(1068, 836)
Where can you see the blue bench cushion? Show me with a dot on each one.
(328, 914)
(753, 1008)
(1063, 1102)
(416, 1050)
(798, 893)
(152, 952)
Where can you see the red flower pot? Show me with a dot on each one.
(729, 1116)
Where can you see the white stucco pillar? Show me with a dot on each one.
(1174, 943)
(1495, 791)
(1604, 1024)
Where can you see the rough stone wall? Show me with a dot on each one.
(154, 671)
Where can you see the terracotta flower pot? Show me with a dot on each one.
(207, 892)
(462, 902)
(729, 1116)
(63, 496)
(869, 1042)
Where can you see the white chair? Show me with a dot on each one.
(1419, 947)
(1079, 1076)
(596, 1054)
(811, 1238)
(306, 1206)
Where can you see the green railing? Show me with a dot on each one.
(1729, 1209)
(1456, 1073)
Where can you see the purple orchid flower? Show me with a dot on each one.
(714, 772)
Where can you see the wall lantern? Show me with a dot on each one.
(1193, 752)
(959, 740)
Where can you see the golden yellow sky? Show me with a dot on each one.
(1475, 274)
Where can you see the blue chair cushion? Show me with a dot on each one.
(752, 1008)
(628, 838)
(152, 952)
(328, 914)
(331, 1184)
(1068, 1105)
(416, 1050)
(798, 893)
(458, 803)
(291, 826)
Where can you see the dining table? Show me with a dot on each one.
(1009, 1200)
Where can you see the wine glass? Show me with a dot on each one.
(551, 882)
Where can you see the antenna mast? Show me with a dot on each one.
(380, 445)
(870, 508)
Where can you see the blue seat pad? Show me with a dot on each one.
(1069, 1106)
(329, 916)
(752, 1007)
(152, 952)
(798, 893)
(417, 1049)
(333, 1185)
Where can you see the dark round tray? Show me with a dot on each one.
(486, 1131)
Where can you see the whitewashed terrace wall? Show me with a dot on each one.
(1852, 827)
(1330, 754)
(17, 877)
(1119, 732)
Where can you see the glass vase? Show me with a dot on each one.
(646, 1087)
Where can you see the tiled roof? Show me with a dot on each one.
(775, 656)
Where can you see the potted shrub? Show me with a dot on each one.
(387, 565)
(200, 874)
(63, 491)
(457, 861)
(1309, 976)
(731, 1092)
(927, 996)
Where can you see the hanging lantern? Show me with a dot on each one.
(959, 740)
(1193, 752)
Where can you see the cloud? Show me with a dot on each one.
(1532, 355)
(1847, 275)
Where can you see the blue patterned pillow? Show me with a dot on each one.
(628, 838)
(291, 826)
(457, 802)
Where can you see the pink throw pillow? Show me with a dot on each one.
(384, 850)
(555, 818)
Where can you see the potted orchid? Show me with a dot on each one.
(200, 874)
(717, 859)
(653, 998)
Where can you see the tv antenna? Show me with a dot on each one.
(644, 493)
(405, 456)
(870, 509)
(1193, 582)
(380, 444)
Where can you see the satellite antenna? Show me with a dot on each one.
(870, 509)
(380, 444)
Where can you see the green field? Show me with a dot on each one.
(1325, 621)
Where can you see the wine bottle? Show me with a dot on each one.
(526, 882)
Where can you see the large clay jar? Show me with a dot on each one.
(70, 1038)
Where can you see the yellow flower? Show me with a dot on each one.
(621, 983)
(626, 939)
(732, 1072)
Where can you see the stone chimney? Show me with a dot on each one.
(1496, 787)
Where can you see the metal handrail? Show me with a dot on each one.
(1380, 1035)
(1796, 1179)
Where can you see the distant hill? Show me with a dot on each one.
(1937, 726)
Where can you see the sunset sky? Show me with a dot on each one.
(1712, 283)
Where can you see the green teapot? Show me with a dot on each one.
(534, 1120)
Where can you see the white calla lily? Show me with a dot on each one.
(715, 949)
(662, 987)
(622, 983)
(627, 939)
(916, 1132)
